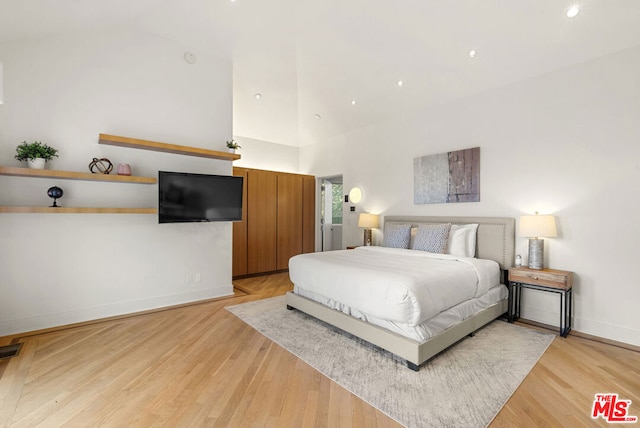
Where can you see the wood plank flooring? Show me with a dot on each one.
(199, 365)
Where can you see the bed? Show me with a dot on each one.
(411, 302)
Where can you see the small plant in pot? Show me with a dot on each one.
(36, 153)
(232, 146)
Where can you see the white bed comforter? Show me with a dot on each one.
(404, 286)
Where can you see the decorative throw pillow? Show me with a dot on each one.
(397, 235)
(432, 238)
(462, 240)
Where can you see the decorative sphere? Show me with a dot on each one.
(55, 192)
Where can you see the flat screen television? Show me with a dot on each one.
(186, 197)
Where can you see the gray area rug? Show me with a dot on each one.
(464, 386)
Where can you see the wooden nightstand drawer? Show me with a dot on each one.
(545, 277)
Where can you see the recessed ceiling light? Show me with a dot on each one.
(400, 83)
(472, 53)
(353, 102)
(317, 116)
(258, 96)
(573, 11)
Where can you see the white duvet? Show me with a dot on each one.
(402, 286)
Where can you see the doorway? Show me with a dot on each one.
(331, 195)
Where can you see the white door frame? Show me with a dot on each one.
(319, 215)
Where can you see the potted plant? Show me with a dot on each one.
(232, 146)
(36, 153)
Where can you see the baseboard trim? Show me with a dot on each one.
(15, 338)
(581, 335)
(253, 275)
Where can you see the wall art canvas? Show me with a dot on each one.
(447, 177)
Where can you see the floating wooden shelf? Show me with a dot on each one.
(113, 140)
(76, 210)
(74, 175)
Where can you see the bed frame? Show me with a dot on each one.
(495, 241)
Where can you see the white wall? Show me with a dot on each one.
(64, 268)
(566, 143)
(266, 155)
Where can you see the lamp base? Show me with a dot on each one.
(536, 253)
(367, 237)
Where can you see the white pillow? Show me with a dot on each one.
(462, 240)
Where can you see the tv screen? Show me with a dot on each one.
(185, 197)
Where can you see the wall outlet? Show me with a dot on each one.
(190, 278)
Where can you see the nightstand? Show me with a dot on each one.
(551, 280)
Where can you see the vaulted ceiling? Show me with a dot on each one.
(325, 67)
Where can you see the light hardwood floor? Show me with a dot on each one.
(199, 365)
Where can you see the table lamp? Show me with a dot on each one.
(368, 221)
(535, 227)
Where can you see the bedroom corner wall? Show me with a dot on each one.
(259, 154)
(565, 143)
(58, 269)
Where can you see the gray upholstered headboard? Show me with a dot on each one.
(495, 240)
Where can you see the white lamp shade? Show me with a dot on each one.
(538, 226)
(368, 221)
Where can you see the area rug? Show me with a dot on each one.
(464, 386)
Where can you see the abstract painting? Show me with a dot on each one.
(447, 177)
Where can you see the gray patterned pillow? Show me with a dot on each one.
(397, 235)
(432, 238)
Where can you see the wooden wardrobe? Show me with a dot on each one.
(278, 217)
